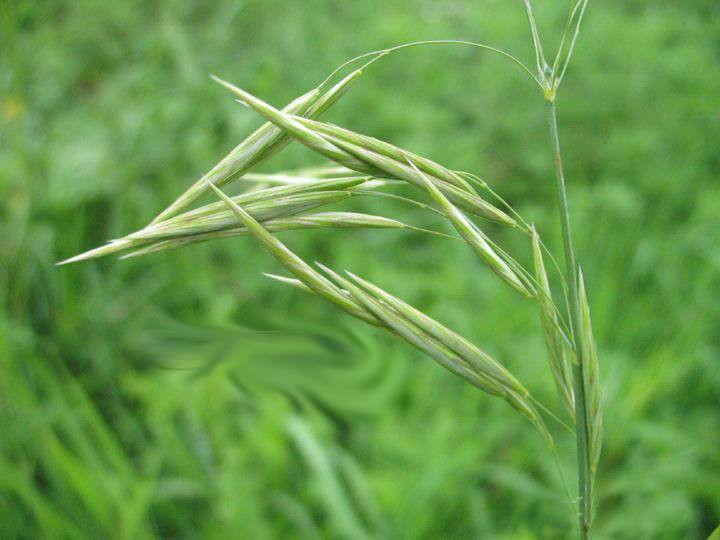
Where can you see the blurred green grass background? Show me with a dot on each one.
(182, 395)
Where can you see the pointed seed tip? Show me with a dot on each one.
(71, 260)
(230, 86)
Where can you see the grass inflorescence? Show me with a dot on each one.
(363, 166)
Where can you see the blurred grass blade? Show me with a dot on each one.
(341, 514)
(297, 514)
(559, 363)
(359, 488)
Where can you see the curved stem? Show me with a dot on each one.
(581, 429)
(383, 52)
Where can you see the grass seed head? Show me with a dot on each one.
(303, 271)
(364, 160)
(292, 127)
(554, 342)
(388, 150)
(265, 195)
(329, 98)
(471, 202)
(476, 358)
(262, 144)
(324, 220)
(293, 282)
(474, 239)
(402, 324)
(591, 376)
(226, 219)
(259, 146)
(413, 335)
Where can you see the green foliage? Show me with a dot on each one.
(135, 403)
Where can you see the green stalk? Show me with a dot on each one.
(581, 429)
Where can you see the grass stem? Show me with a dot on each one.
(581, 424)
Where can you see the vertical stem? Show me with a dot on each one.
(581, 430)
